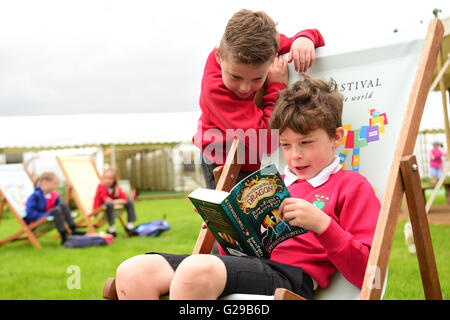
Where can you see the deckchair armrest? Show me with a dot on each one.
(97, 211)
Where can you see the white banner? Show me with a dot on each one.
(16, 186)
(376, 83)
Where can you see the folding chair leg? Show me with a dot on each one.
(34, 241)
(12, 237)
(225, 177)
(421, 229)
(109, 290)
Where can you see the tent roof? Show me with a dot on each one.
(63, 131)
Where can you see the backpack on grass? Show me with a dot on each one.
(88, 240)
(152, 228)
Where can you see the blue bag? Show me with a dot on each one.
(152, 228)
(84, 241)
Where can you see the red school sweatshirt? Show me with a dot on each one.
(349, 199)
(222, 110)
(102, 193)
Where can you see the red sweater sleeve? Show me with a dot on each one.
(313, 34)
(348, 243)
(101, 194)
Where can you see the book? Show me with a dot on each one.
(246, 221)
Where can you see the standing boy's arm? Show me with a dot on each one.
(301, 48)
(313, 34)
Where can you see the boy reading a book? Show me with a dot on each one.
(339, 208)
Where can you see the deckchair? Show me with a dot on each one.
(82, 178)
(390, 99)
(126, 187)
(225, 177)
(16, 185)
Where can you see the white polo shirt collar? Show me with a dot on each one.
(316, 181)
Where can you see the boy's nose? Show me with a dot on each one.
(297, 153)
(244, 87)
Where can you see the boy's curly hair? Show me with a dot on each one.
(308, 105)
(250, 38)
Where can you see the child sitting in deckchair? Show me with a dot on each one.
(108, 194)
(339, 208)
(44, 201)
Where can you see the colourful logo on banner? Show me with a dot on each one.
(359, 138)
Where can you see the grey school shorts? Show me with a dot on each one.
(252, 275)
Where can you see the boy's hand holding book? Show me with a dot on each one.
(246, 220)
(301, 213)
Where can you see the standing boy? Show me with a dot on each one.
(248, 58)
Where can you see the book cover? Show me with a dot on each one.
(246, 220)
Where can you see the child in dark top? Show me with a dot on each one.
(248, 58)
(108, 194)
(44, 202)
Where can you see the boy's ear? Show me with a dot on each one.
(217, 56)
(338, 137)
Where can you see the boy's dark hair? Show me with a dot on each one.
(250, 37)
(308, 105)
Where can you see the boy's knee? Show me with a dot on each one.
(109, 204)
(200, 270)
(64, 205)
(133, 267)
(56, 211)
(141, 267)
(143, 277)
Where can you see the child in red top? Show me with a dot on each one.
(436, 155)
(248, 58)
(108, 194)
(339, 208)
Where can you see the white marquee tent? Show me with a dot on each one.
(64, 131)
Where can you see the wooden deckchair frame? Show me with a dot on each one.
(390, 206)
(404, 178)
(26, 229)
(91, 222)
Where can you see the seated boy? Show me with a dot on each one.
(248, 58)
(44, 201)
(341, 223)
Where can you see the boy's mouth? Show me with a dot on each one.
(299, 169)
(243, 95)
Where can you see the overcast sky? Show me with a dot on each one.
(62, 57)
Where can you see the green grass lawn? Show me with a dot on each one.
(29, 273)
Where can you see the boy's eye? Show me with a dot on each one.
(307, 142)
(283, 145)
